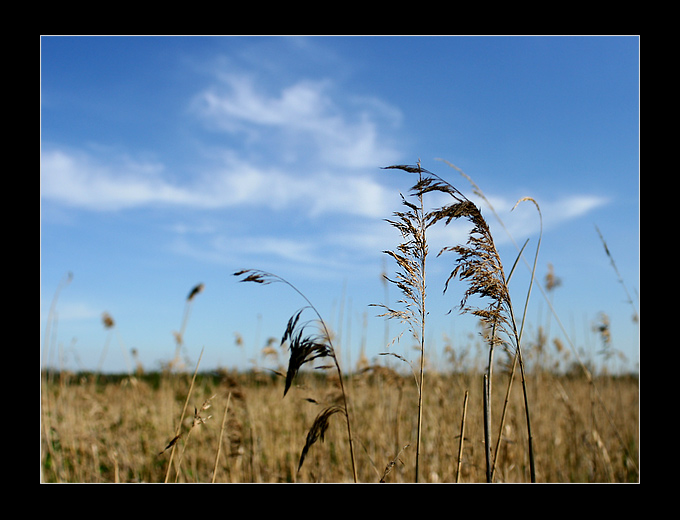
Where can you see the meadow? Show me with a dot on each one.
(116, 429)
(506, 408)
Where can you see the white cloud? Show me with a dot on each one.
(301, 106)
(321, 151)
(322, 145)
(305, 117)
(80, 180)
(574, 206)
(524, 220)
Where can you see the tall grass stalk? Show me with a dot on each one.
(586, 371)
(179, 336)
(479, 264)
(45, 374)
(304, 349)
(219, 442)
(198, 420)
(50, 318)
(462, 437)
(178, 432)
(411, 256)
(629, 299)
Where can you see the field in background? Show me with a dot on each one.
(116, 429)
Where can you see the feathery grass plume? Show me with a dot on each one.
(478, 263)
(179, 336)
(197, 289)
(411, 256)
(303, 349)
(318, 429)
(572, 346)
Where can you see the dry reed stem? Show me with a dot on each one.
(219, 442)
(629, 299)
(392, 463)
(563, 329)
(45, 376)
(479, 264)
(66, 280)
(198, 420)
(462, 437)
(178, 432)
(411, 256)
(179, 336)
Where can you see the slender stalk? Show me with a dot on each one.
(181, 419)
(45, 374)
(462, 437)
(423, 256)
(503, 414)
(179, 336)
(219, 442)
(487, 427)
(488, 378)
(636, 315)
(512, 371)
(411, 256)
(479, 263)
(532, 464)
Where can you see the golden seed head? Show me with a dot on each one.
(107, 320)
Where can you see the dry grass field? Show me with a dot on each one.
(117, 429)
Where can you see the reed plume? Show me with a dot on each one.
(479, 265)
(305, 348)
(411, 256)
(179, 336)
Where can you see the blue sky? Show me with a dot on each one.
(172, 161)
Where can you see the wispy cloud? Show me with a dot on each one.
(81, 180)
(306, 118)
(304, 146)
(523, 220)
(306, 149)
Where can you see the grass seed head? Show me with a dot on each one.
(107, 320)
(199, 288)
